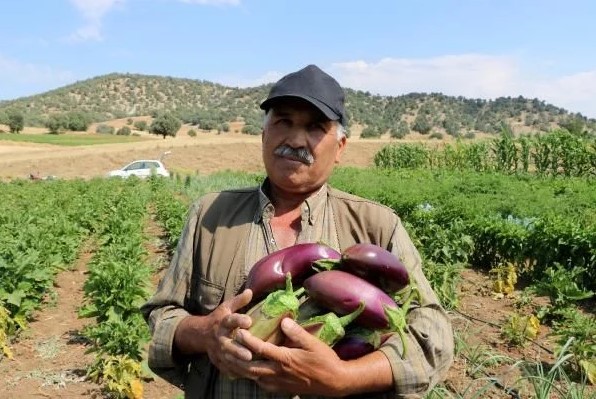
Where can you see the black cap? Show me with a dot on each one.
(316, 87)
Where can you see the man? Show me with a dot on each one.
(200, 336)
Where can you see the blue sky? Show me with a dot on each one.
(474, 48)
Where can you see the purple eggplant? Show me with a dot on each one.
(358, 343)
(342, 292)
(352, 347)
(376, 265)
(268, 274)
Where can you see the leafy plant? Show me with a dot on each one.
(518, 329)
(576, 334)
(121, 376)
(561, 286)
(505, 278)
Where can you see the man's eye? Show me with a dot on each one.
(284, 121)
(316, 127)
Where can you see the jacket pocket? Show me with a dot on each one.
(209, 295)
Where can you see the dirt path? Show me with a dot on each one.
(49, 358)
(203, 154)
(159, 258)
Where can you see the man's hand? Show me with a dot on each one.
(305, 366)
(213, 334)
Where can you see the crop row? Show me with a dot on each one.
(118, 284)
(556, 153)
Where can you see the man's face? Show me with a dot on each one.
(295, 124)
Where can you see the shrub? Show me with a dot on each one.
(436, 135)
(470, 135)
(400, 131)
(104, 129)
(76, 121)
(140, 125)
(370, 132)
(192, 133)
(123, 131)
(129, 121)
(57, 123)
(251, 129)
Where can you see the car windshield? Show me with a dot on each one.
(134, 166)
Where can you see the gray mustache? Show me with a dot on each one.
(300, 153)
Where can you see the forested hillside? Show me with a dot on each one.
(212, 106)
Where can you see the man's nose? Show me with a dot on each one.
(297, 137)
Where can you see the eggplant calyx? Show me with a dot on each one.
(329, 328)
(282, 301)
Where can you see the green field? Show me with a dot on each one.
(70, 140)
(492, 225)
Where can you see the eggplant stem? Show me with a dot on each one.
(397, 317)
(350, 317)
(322, 265)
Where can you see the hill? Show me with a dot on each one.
(213, 106)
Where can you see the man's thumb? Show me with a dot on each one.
(240, 301)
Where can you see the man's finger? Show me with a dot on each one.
(261, 348)
(236, 320)
(239, 301)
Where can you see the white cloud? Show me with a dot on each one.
(93, 12)
(213, 2)
(16, 75)
(469, 75)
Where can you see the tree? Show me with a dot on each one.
(165, 124)
(421, 124)
(16, 122)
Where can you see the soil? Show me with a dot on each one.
(49, 358)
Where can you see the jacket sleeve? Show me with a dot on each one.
(429, 334)
(165, 309)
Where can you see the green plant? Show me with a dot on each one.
(576, 334)
(561, 286)
(123, 131)
(544, 381)
(445, 280)
(192, 133)
(140, 125)
(104, 129)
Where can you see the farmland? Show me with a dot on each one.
(511, 251)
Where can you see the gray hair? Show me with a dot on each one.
(340, 130)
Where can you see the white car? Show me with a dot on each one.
(143, 169)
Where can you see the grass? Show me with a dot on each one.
(70, 140)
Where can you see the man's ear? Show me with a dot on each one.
(340, 149)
